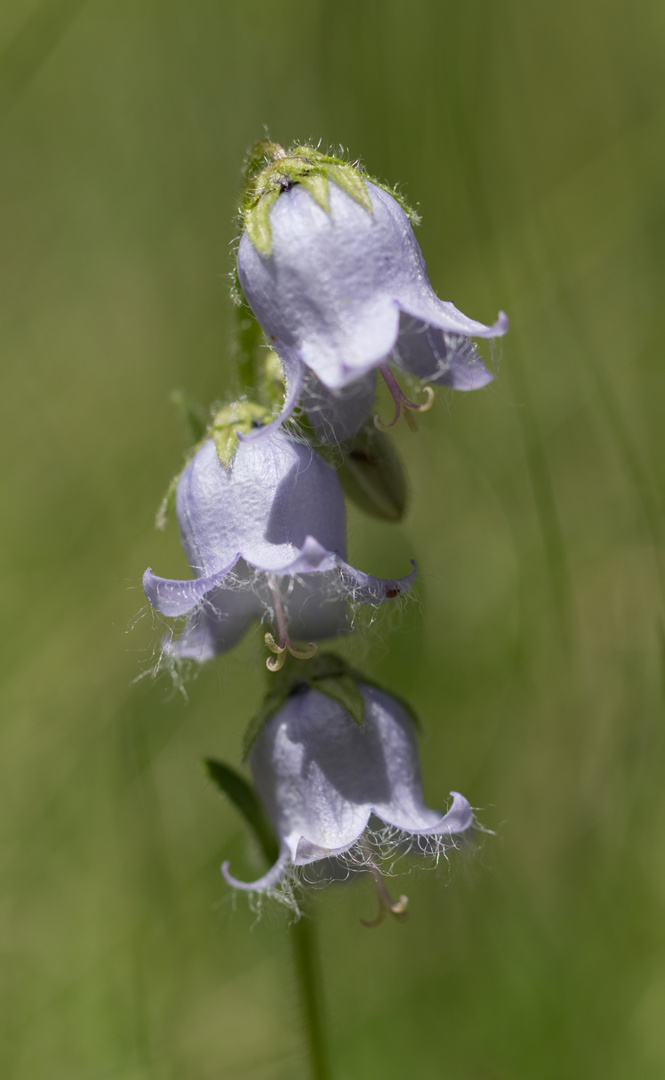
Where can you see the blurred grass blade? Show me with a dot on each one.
(31, 48)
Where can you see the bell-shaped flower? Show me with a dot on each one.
(341, 290)
(330, 786)
(265, 536)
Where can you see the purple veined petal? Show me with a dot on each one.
(268, 880)
(320, 777)
(172, 597)
(313, 557)
(316, 608)
(222, 620)
(338, 360)
(445, 316)
(307, 852)
(367, 589)
(457, 820)
(439, 357)
(317, 295)
(464, 375)
(275, 493)
(331, 292)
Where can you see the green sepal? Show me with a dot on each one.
(243, 796)
(317, 185)
(257, 221)
(270, 170)
(261, 154)
(346, 177)
(239, 418)
(372, 474)
(344, 689)
(413, 215)
(325, 672)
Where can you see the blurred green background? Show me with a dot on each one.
(531, 138)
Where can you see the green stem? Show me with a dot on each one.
(306, 959)
(248, 336)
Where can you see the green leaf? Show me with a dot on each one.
(243, 796)
(257, 221)
(372, 475)
(248, 337)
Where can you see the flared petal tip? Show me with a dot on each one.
(459, 818)
(464, 375)
(173, 597)
(367, 589)
(313, 557)
(268, 881)
(501, 325)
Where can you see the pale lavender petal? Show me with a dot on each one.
(336, 415)
(172, 597)
(267, 881)
(366, 589)
(457, 820)
(222, 620)
(318, 295)
(443, 314)
(438, 357)
(320, 776)
(294, 372)
(464, 375)
(335, 290)
(316, 608)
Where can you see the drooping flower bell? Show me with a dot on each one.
(263, 526)
(332, 270)
(331, 785)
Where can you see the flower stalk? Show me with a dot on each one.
(310, 985)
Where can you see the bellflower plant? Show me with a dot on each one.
(329, 263)
(265, 535)
(332, 275)
(340, 792)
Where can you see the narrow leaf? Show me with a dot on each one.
(244, 798)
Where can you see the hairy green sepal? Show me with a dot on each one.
(243, 796)
(270, 170)
(327, 673)
(237, 419)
